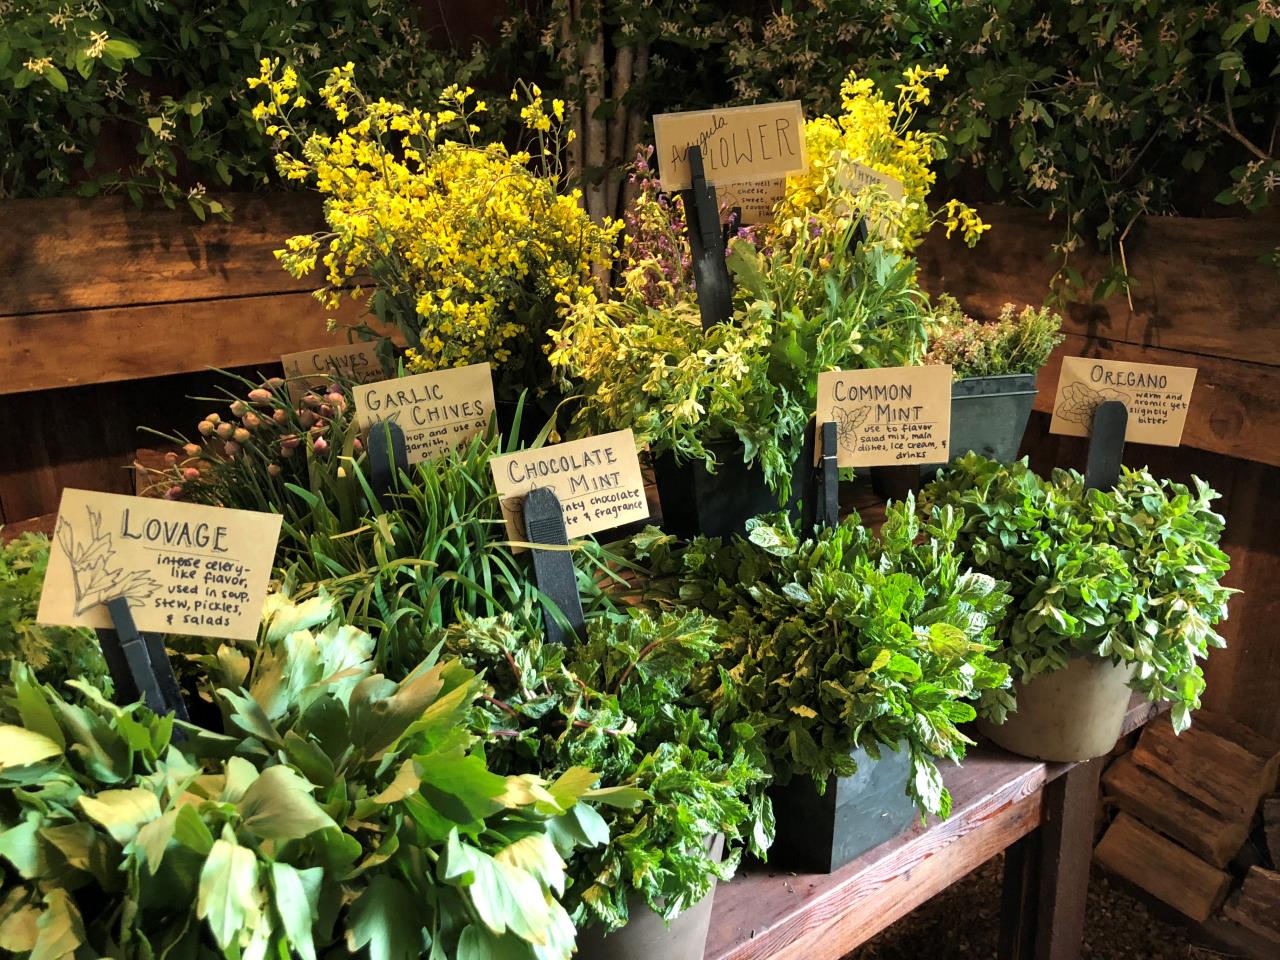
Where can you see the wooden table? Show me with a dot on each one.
(1042, 813)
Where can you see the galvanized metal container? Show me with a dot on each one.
(647, 936)
(989, 415)
(820, 834)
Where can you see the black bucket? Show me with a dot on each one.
(820, 834)
(695, 501)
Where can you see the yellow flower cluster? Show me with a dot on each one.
(470, 251)
(875, 133)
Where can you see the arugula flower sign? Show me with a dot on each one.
(472, 251)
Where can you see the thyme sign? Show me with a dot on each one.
(889, 415)
(184, 568)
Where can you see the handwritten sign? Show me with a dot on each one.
(888, 416)
(737, 143)
(1156, 396)
(437, 411)
(856, 177)
(597, 480)
(355, 362)
(755, 198)
(184, 568)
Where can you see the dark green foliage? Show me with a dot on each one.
(55, 654)
(844, 640)
(1132, 574)
(619, 703)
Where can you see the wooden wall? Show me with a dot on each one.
(1204, 298)
(113, 316)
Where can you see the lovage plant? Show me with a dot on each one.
(470, 251)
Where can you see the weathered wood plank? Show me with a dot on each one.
(104, 252)
(79, 347)
(1222, 775)
(1235, 407)
(1163, 807)
(997, 799)
(1162, 868)
(1202, 285)
(1257, 907)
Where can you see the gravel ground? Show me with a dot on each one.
(963, 923)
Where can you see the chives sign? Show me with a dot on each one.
(353, 362)
(437, 411)
(889, 415)
(183, 567)
(1157, 398)
(597, 480)
(761, 142)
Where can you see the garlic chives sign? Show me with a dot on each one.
(759, 142)
(888, 416)
(1157, 397)
(438, 411)
(597, 480)
(183, 567)
(355, 362)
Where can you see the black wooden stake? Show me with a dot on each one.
(820, 498)
(553, 569)
(139, 665)
(1106, 445)
(387, 460)
(707, 240)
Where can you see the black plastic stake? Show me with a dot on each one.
(707, 240)
(1106, 445)
(828, 476)
(139, 665)
(553, 569)
(387, 459)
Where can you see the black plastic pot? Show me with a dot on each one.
(718, 504)
(647, 936)
(989, 415)
(819, 834)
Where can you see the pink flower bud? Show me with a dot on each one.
(232, 448)
(356, 445)
(252, 421)
(241, 435)
(190, 449)
(190, 473)
(214, 418)
(310, 400)
(280, 417)
(224, 431)
(274, 469)
(260, 396)
(290, 443)
(173, 493)
(326, 410)
(321, 445)
(205, 428)
(171, 458)
(239, 407)
(308, 419)
(275, 383)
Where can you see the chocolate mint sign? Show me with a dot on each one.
(888, 416)
(596, 479)
(437, 411)
(760, 142)
(183, 567)
(1156, 396)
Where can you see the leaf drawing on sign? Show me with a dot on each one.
(1080, 402)
(847, 424)
(95, 581)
